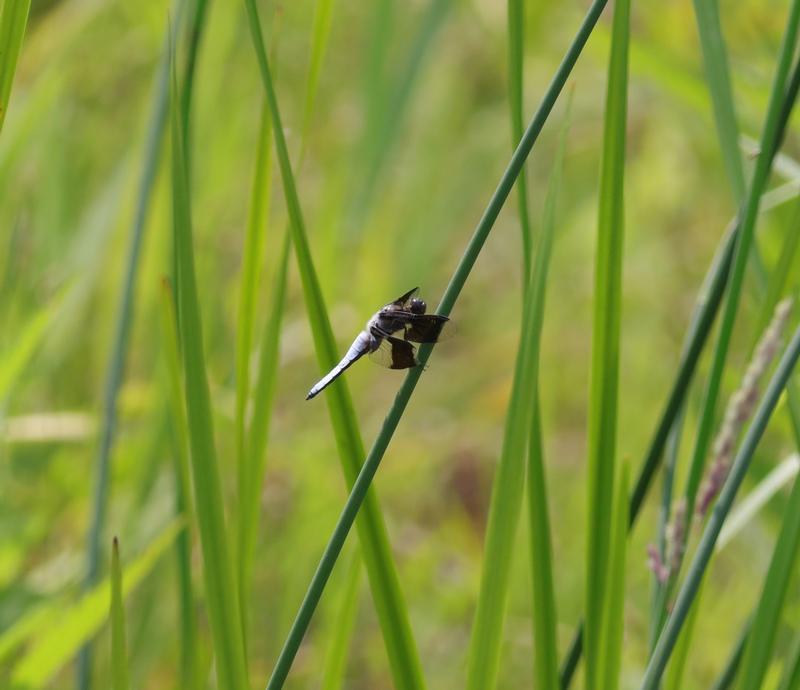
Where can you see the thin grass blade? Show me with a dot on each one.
(381, 135)
(614, 614)
(545, 650)
(791, 672)
(221, 594)
(391, 609)
(749, 506)
(258, 433)
(773, 595)
(487, 630)
(67, 627)
(189, 668)
(484, 227)
(320, 33)
(119, 655)
(680, 657)
(728, 675)
(715, 63)
(26, 341)
(516, 55)
(336, 658)
(605, 345)
(252, 256)
(122, 328)
(13, 20)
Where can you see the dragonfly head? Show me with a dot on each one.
(417, 306)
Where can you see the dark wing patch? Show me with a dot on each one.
(425, 328)
(403, 354)
(394, 353)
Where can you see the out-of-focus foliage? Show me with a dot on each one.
(407, 137)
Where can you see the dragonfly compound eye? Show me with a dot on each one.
(418, 306)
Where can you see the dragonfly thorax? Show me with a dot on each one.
(386, 322)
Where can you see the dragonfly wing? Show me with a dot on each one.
(425, 328)
(394, 353)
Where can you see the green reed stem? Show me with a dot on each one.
(370, 466)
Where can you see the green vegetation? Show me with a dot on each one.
(203, 204)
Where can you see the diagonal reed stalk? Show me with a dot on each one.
(707, 304)
(361, 485)
(391, 610)
(697, 569)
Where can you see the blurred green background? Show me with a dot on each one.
(408, 139)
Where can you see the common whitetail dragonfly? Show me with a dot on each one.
(389, 336)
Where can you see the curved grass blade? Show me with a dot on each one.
(483, 659)
(728, 675)
(614, 613)
(516, 53)
(336, 658)
(545, 649)
(252, 255)
(773, 595)
(196, 25)
(361, 485)
(119, 657)
(256, 446)
(320, 32)
(29, 336)
(221, 593)
(749, 506)
(189, 668)
(119, 350)
(677, 664)
(791, 671)
(382, 131)
(688, 591)
(64, 629)
(13, 20)
(605, 345)
(715, 63)
(384, 581)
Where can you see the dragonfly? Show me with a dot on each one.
(389, 338)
